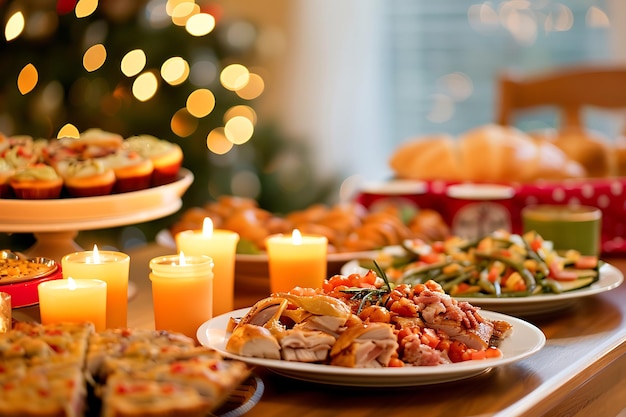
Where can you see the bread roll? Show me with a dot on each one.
(590, 149)
(427, 158)
(489, 153)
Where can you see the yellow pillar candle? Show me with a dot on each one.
(109, 266)
(296, 260)
(73, 301)
(221, 246)
(182, 292)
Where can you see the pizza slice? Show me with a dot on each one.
(43, 391)
(135, 397)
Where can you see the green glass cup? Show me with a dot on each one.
(567, 226)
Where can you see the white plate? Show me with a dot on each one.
(94, 212)
(524, 340)
(610, 278)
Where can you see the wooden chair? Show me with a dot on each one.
(569, 89)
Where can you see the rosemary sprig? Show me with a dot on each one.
(369, 295)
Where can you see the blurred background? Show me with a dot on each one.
(301, 100)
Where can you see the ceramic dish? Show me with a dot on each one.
(93, 212)
(524, 341)
(610, 278)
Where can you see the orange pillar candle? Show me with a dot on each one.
(109, 266)
(296, 260)
(221, 246)
(73, 301)
(182, 292)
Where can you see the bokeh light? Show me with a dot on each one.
(183, 11)
(68, 131)
(234, 76)
(133, 62)
(145, 86)
(200, 103)
(175, 70)
(239, 130)
(183, 124)
(14, 26)
(27, 79)
(253, 89)
(85, 8)
(200, 24)
(217, 142)
(241, 110)
(94, 57)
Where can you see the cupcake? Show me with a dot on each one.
(132, 171)
(97, 143)
(36, 182)
(86, 178)
(167, 157)
(20, 151)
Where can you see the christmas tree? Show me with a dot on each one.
(178, 70)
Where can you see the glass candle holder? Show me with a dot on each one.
(73, 301)
(182, 292)
(221, 246)
(296, 261)
(109, 266)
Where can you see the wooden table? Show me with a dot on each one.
(580, 372)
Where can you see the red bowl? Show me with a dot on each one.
(24, 294)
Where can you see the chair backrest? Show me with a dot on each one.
(569, 89)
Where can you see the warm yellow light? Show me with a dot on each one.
(253, 89)
(175, 70)
(172, 4)
(200, 24)
(15, 26)
(94, 57)
(200, 103)
(85, 8)
(239, 130)
(68, 131)
(183, 11)
(234, 77)
(133, 62)
(145, 86)
(27, 79)
(183, 124)
(217, 142)
(241, 110)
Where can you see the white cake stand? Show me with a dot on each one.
(55, 223)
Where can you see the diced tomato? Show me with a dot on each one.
(430, 258)
(586, 262)
(536, 244)
(462, 287)
(438, 246)
(494, 274)
(395, 363)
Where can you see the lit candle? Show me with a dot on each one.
(182, 292)
(109, 266)
(296, 260)
(73, 301)
(221, 246)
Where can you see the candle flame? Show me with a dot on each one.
(296, 237)
(71, 284)
(207, 227)
(96, 255)
(181, 258)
